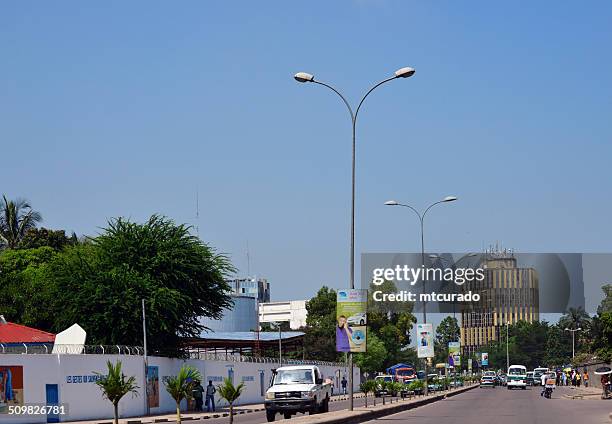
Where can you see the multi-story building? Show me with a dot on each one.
(259, 288)
(508, 294)
(292, 311)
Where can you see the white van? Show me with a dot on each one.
(517, 377)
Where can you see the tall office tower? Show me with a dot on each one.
(508, 294)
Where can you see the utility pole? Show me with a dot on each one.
(145, 359)
(507, 341)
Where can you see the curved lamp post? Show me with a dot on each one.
(422, 221)
(306, 77)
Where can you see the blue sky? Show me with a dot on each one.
(130, 108)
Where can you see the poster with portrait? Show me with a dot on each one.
(454, 354)
(153, 386)
(351, 320)
(485, 359)
(424, 338)
(11, 386)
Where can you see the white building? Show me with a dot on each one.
(293, 311)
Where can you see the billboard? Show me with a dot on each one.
(454, 354)
(485, 359)
(351, 320)
(424, 337)
(153, 387)
(11, 386)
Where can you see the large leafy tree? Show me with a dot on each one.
(447, 331)
(26, 293)
(16, 218)
(39, 237)
(320, 331)
(101, 284)
(373, 359)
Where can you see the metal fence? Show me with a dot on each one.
(207, 356)
(70, 349)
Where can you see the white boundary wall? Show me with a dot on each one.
(73, 375)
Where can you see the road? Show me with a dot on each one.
(480, 406)
(502, 406)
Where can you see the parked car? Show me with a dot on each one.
(381, 386)
(296, 389)
(433, 383)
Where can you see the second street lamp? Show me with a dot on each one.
(422, 221)
(304, 77)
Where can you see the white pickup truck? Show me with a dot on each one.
(294, 389)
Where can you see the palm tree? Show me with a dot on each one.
(180, 386)
(230, 393)
(115, 385)
(16, 218)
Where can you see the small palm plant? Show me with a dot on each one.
(180, 386)
(230, 393)
(368, 386)
(115, 385)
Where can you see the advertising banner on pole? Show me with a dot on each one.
(470, 364)
(351, 320)
(424, 337)
(485, 359)
(454, 354)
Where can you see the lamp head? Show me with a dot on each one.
(449, 199)
(404, 72)
(391, 203)
(303, 77)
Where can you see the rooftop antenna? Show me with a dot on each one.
(248, 260)
(197, 211)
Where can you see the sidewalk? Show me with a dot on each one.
(570, 392)
(191, 415)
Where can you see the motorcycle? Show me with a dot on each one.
(548, 392)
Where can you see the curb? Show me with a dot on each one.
(367, 415)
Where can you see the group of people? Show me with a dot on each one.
(573, 378)
(198, 393)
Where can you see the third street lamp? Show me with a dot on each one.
(573, 338)
(422, 221)
(306, 77)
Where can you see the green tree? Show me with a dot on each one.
(26, 293)
(180, 387)
(101, 284)
(230, 393)
(115, 385)
(373, 359)
(39, 237)
(606, 303)
(447, 331)
(16, 218)
(320, 332)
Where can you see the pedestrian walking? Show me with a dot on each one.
(343, 383)
(210, 397)
(564, 376)
(578, 379)
(586, 379)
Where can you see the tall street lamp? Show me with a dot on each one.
(306, 77)
(573, 339)
(507, 352)
(422, 221)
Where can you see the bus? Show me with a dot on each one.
(517, 377)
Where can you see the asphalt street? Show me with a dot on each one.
(482, 406)
(502, 406)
